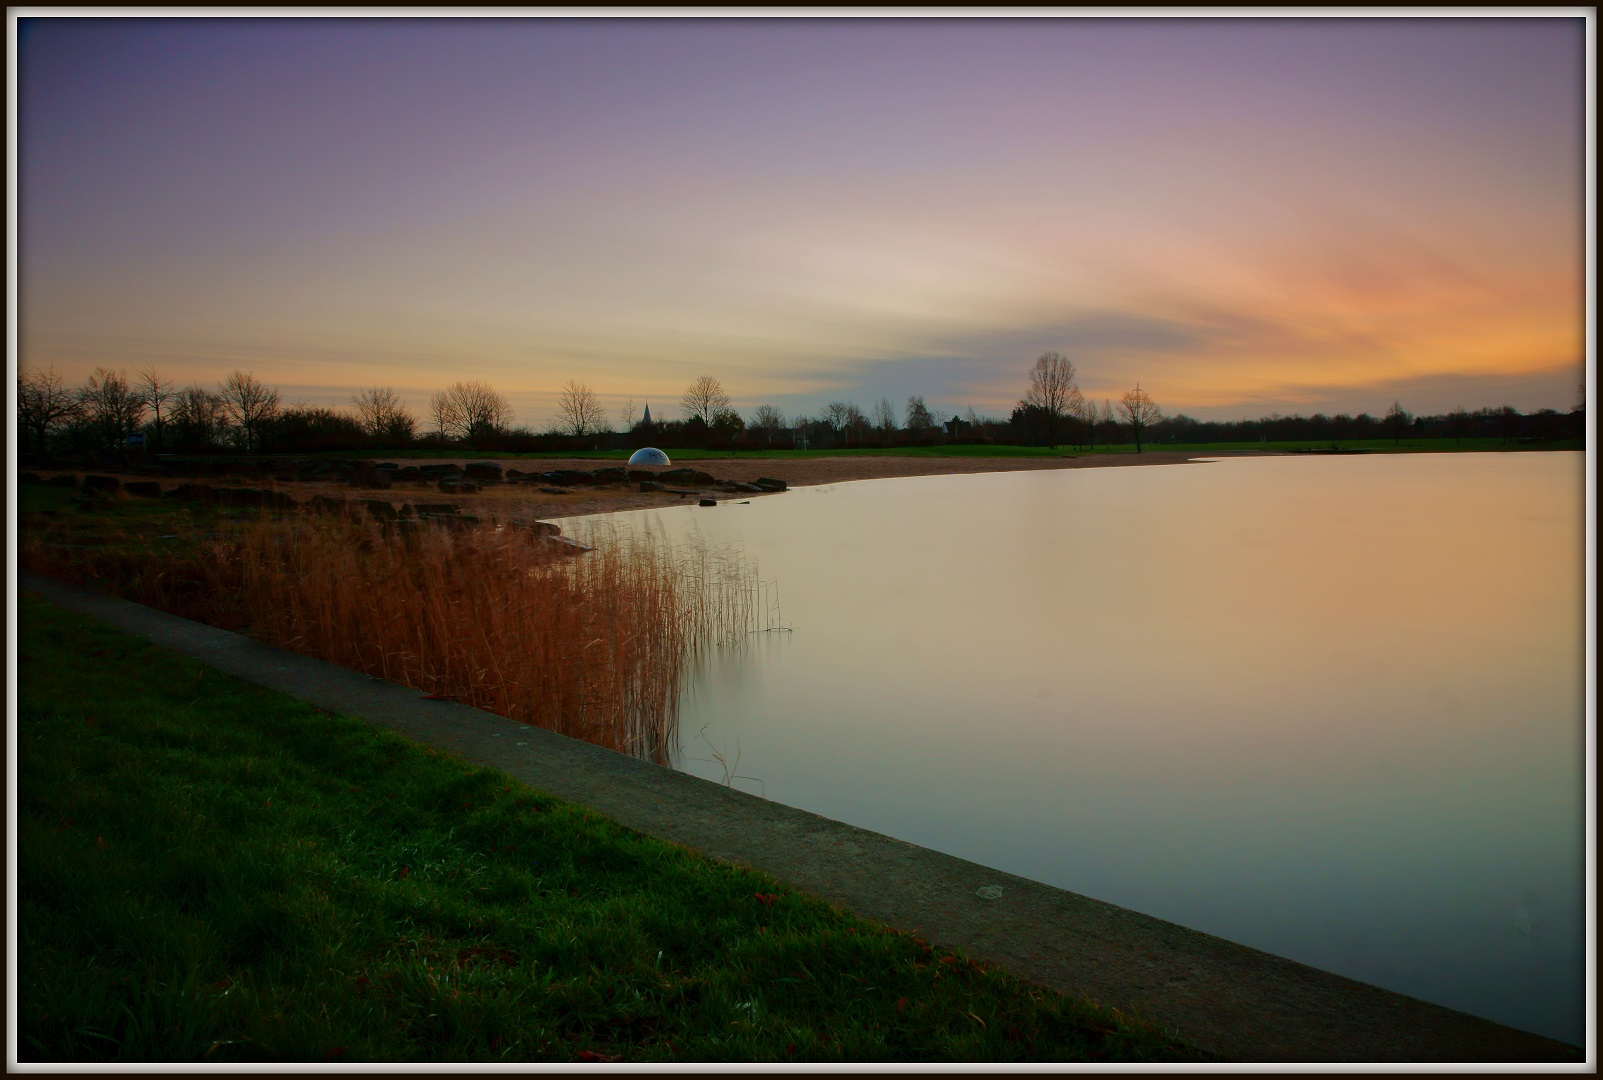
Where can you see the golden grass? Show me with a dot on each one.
(594, 646)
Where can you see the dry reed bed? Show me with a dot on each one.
(594, 646)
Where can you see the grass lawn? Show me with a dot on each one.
(209, 871)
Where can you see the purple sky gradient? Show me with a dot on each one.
(1246, 215)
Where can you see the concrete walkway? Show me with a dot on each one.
(1239, 1003)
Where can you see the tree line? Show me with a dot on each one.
(110, 412)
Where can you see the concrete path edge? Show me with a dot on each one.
(1237, 1002)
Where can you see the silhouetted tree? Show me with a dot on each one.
(248, 403)
(470, 410)
(885, 418)
(381, 414)
(1053, 391)
(768, 420)
(110, 407)
(1139, 411)
(703, 400)
(919, 418)
(197, 420)
(1397, 421)
(44, 404)
(579, 411)
(155, 391)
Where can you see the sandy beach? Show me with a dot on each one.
(796, 472)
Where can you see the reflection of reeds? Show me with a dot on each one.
(593, 646)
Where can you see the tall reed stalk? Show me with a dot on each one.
(593, 646)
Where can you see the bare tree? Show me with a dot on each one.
(197, 416)
(110, 406)
(154, 390)
(834, 415)
(469, 410)
(1053, 391)
(1139, 411)
(382, 414)
(248, 403)
(43, 404)
(768, 420)
(704, 400)
(919, 417)
(1397, 419)
(579, 411)
(629, 414)
(854, 423)
(443, 412)
(885, 417)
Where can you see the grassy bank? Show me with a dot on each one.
(208, 871)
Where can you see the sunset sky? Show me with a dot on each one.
(1245, 215)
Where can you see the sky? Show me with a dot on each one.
(1245, 216)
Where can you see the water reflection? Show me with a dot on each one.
(1330, 708)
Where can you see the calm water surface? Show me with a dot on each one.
(1332, 708)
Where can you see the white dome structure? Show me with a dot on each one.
(648, 455)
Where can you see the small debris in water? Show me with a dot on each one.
(989, 892)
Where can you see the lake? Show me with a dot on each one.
(1329, 707)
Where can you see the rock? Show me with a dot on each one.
(241, 496)
(145, 489)
(768, 483)
(611, 476)
(746, 488)
(555, 491)
(381, 510)
(567, 477)
(372, 478)
(411, 475)
(567, 545)
(687, 476)
(107, 484)
(483, 471)
(452, 486)
(323, 504)
(388, 466)
(637, 476)
(193, 493)
(651, 485)
(435, 509)
(709, 502)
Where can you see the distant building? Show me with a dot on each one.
(645, 421)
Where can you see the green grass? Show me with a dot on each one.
(209, 871)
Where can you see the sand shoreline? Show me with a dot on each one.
(796, 472)
(528, 501)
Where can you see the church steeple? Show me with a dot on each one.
(646, 419)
